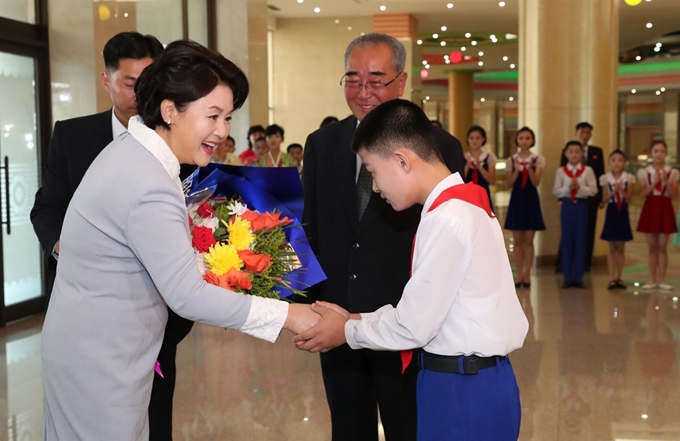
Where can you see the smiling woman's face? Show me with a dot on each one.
(195, 132)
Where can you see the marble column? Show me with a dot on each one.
(404, 27)
(568, 55)
(258, 65)
(671, 123)
(461, 93)
(488, 117)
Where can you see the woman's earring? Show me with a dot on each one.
(168, 122)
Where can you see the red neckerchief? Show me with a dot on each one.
(470, 193)
(617, 195)
(525, 169)
(573, 175)
(660, 187)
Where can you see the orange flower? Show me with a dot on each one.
(255, 262)
(265, 221)
(236, 279)
(211, 278)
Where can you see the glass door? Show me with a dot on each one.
(22, 286)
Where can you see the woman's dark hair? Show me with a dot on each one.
(328, 120)
(528, 130)
(619, 152)
(251, 130)
(183, 73)
(479, 130)
(663, 143)
(130, 45)
(273, 130)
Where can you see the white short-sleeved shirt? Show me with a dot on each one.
(646, 175)
(532, 159)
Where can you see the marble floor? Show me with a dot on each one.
(596, 365)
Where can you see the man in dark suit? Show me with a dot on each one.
(75, 143)
(364, 247)
(594, 158)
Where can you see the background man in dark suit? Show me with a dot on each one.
(363, 246)
(75, 143)
(594, 158)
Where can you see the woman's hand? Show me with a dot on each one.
(300, 318)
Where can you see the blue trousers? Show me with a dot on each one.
(574, 222)
(481, 407)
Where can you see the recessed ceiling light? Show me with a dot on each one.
(443, 43)
(435, 36)
(481, 54)
(512, 66)
(657, 49)
(658, 45)
(463, 48)
(419, 42)
(447, 61)
(473, 42)
(638, 58)
(446, 56)
(424, 62)
(663, 89)
(317, 10)
(383, 8)
(126, 15)
(644, 416)
(633, 91)
(492, 36)
(349, 28)
(505, 58)
(501, 4)
(444, 28)
(480, 64)
(658, 92)
(482, 99)
(300, 1)
(427, 66)
(511, 99)
(449, 5)
(468, 35)
(427, 98)
(649, 25)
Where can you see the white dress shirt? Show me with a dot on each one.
(461, 299)
(118, 127)
(646, 175)
(587, 183)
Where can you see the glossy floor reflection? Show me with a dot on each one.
(596, 365)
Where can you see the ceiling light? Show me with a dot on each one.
(427, 66)
(511, 99)
(435, 36)
(349, 28)
(505, 58)
(512, 66)
(638, 58)
(480, 64)
(383, 8)
(419, 42)
(443, 43)
(447, 61)
(446, 56)
(657, 49)
(337, 21)
(658, 92)
(482, 99)
(424, 62)
(468, 35)
(450, 5)
(427, 98)
(649, 25)
(633, 91)
(501, 4)
(300, 1)
(658, 45)
(492, 36)
(473, 42)
(663, 89)
(444, 28)
(463, 49)
(317, 10)
(510, 36)
(644, 416)
(467, 57)
(481, 54)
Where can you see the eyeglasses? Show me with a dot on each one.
(373, 86)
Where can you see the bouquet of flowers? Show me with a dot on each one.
(257, 248)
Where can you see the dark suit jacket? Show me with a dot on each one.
(367, 262)
(75, 143)
(595, 160)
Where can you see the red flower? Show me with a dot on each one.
(248, 157)
(211, 278)
(205, 211)
(265, 221)
(236, 279)
(255, 262)
(203, 239)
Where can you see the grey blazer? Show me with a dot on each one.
(125, 253)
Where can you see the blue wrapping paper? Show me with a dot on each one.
(265, 189)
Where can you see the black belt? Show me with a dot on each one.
(471, 364)
(575, 201)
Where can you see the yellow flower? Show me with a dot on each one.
(221, 258)
(240, 235)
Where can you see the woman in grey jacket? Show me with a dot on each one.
(126, 253)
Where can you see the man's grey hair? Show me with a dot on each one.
(374, 39)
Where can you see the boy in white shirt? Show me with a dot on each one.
(460, 305)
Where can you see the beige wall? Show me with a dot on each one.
(308, 64)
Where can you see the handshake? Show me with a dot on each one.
(319, 327)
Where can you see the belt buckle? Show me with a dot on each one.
(470, 366)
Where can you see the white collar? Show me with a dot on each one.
(153, 142)
(116, 125)
(576, 167)
(447, 182)
(526, 160)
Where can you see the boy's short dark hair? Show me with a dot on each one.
(130, 45)
(478, 129)
(328, 120)
(273, 130)
(573, 142)
(294, 146)
(184, 72)
(619, 152)
(583, 125)
(528, 130)
(397, 123)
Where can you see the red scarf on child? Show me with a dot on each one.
(470, 193)
(573, 175)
